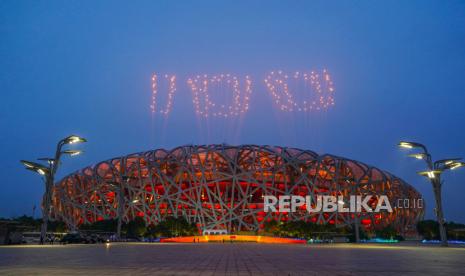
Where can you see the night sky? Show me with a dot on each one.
(85, 67)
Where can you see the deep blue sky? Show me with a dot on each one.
(84, 67)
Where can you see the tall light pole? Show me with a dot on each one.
(435, 169)
(48, 172)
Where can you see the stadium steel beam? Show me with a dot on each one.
(120, 209)
(222, 187)
(48, 172)
(435, 169)
(119, 188)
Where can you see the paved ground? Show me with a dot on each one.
(233, 259)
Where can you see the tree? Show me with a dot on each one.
(172, 227)
(362, 234)
(456, 231)
(429, 229)
(271, 227)
(300, 229)
(135, 228)
(56, 226)
(178, 227)
(108, 225)
(28, 221)
(387, 232)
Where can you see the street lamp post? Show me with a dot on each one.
(48, 172)
(435, 169)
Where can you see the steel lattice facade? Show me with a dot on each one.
(222, 186)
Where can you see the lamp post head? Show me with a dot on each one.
(41, 171)
(73, 139)
(445, 164)
(456, 165)
(29, 164)
(405, 145)
(35, 167)
(72, 152)
(410, 145)
(420, 156)
(431, 174)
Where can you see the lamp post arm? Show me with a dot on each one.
(429, 162)
(428, 159)
(58, 153)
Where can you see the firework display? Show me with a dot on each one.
(171, 91)
(203, 86)
(318, 88)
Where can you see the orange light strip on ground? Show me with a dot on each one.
(234, 238)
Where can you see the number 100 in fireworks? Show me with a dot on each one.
(290, 92)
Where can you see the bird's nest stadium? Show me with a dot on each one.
(222, 187)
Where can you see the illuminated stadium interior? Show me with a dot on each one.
(222, 187)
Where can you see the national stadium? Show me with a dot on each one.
(223, 186)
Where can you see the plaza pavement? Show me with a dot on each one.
(231, 259)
